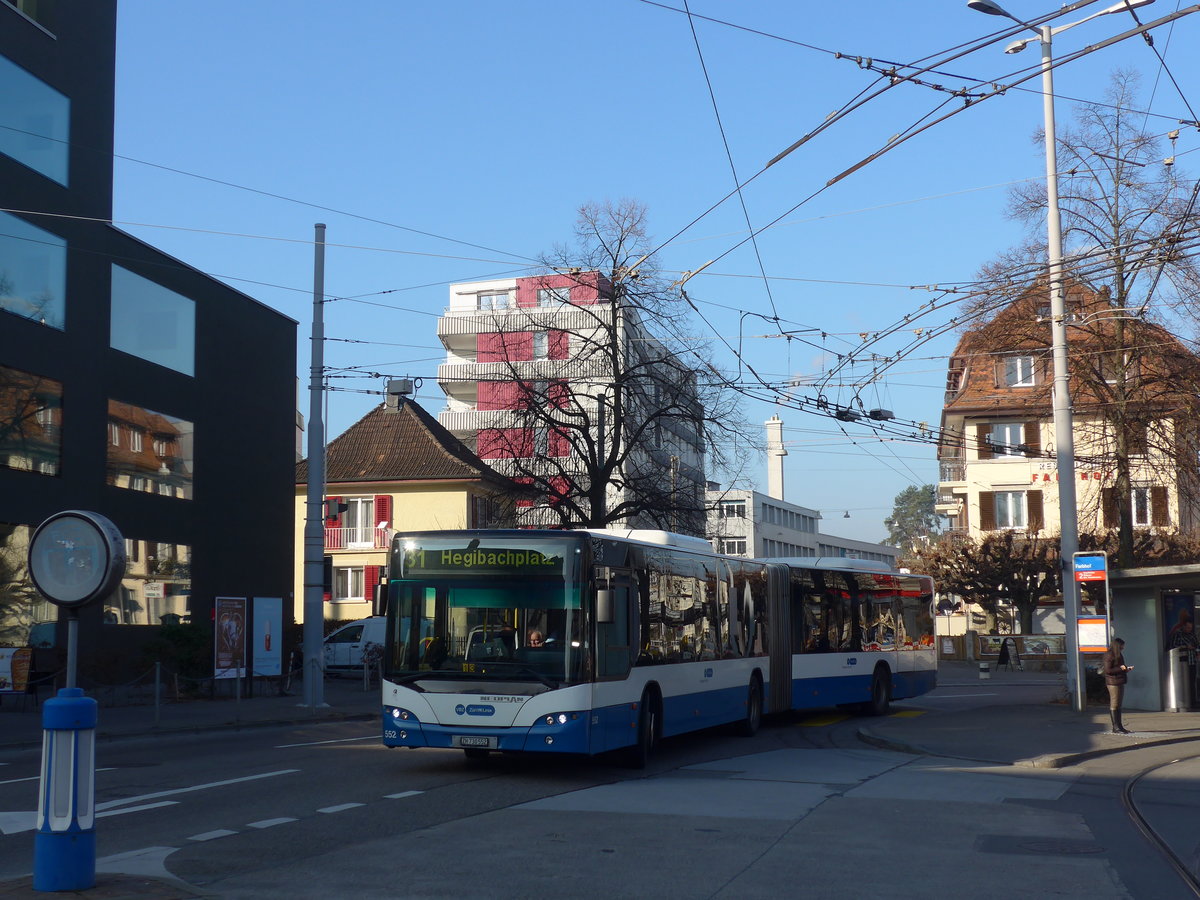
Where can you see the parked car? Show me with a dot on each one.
(344, 647)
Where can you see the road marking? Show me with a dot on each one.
(16, 822)
(108, 804)
(212, 835)
(401, 795)
(372, 737)
(828, 719)
(270, 823)
(38, 777)
(340, 807)
(121, 812)
(19, 780)
(953, 696)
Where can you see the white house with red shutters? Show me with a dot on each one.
(509, 339)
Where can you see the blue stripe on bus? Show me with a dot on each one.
(615, 726)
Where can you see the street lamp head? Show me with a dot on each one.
(987, 6)
(1017, 46)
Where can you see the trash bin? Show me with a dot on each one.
(1179, 688)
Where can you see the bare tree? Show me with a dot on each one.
(622, 414)
(1001, 568)
(1127, 217)
(1010, 568)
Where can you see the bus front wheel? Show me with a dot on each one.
(638, 755)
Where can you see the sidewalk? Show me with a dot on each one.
(1043, 735)
(345, 699)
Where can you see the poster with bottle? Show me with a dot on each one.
(267, 653)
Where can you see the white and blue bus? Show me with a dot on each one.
(594, 641)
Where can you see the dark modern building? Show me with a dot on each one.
(131, 384)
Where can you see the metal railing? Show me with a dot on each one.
(357, 538)
(952, 471)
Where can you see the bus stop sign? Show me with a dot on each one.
(1091, 566)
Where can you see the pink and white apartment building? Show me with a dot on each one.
(504, 336)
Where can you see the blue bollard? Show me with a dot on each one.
(64, 848)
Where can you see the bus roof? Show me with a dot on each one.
(653, 536)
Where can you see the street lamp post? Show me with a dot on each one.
(1064, 433)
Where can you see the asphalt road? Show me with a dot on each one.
(803, 807)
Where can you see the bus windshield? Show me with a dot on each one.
(489, 606)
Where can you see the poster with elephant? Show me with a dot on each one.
(230, 638)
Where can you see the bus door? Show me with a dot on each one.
(616, 623)
(779, 638)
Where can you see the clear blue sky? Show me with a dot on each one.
(424, 129)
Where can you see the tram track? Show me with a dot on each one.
(1151, 835)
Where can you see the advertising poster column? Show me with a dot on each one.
(230, 638)
(266, 658)
(14, 669)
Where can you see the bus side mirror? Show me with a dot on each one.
(604, 606)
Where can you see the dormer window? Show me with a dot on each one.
(1019, 371)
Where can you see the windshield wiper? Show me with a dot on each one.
(524, 670)
(432, 673)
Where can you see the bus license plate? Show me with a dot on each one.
(467, 740)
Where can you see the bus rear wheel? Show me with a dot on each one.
(881, 695)
(748, 727)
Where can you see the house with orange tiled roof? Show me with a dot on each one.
(396, 467)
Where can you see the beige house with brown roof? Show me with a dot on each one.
(997, 442)
(394, 468)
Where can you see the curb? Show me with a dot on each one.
(1046, 761)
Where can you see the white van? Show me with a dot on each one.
(344, 647)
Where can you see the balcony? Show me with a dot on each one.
(466, 421)
(579, 319)
(356, 538)
(951, 472)
(459, 371)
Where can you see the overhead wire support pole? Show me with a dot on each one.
(1064, 424)
(314, 521)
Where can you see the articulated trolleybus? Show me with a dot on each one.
(595, 641)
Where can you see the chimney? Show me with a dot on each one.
(397, 390)
(775, 455)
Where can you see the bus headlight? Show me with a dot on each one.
(559, 718)
(398, 713)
